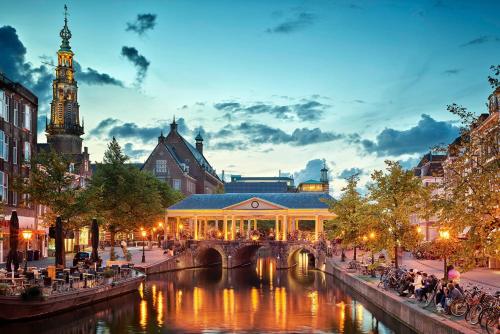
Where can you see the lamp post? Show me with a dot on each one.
(143, 243)
(26, 236)
(445, 236)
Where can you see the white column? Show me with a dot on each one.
(176, 231)
(217, 224)
(316, 227)
(248, 229)
(225, 228)
(285, 228)
(276, 228)
(195, 227)
(205, 232)
(233, 227)
(292, 225)
(255, 224)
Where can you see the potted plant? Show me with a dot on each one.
(32, 293)
(108, 275)
(4, 289)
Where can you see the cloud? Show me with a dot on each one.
(140, 62)
(230, 145)
(409, 163)
(452, 71)
(38, 79)
(142, 23)
(418, 139)
(481, 40)
(308, 110)
(112, 127)
(297, 22)
(91, 76)
(346, 173)
(134, 154)
(312, 171)
(262, 134)
(14, 65)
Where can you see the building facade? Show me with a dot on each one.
(430, 170)
(18, 139)
(184, 167)
(323, 185)
(263, 184)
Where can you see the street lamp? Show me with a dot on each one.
(26, 236)
(143, 243)
(444, 235)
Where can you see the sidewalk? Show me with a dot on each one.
(152, 256)
(408, 263)
(487, 278)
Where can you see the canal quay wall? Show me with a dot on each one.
(416, 318)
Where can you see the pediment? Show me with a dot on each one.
(255, 203)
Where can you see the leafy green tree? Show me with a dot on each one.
(125, 197)
(396, 195)
(468, 204)
(351, 220)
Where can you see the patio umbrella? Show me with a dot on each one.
(59, 243)
(12, 257)
(95, 240)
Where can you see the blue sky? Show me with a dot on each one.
(274, 85)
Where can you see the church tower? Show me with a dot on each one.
(64, 130)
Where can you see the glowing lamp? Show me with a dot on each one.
(372, 235)
(27, 234)
(143, 233)
(444, 234)
(419, 229)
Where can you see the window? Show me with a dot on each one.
(3, 146)
(2, 103)
(14, 198)
(27, 118)
(14, 152)
(191, 187)
(6, 147)
(27, 151)
(177, 184)
(72, 168)
(6, 116)
(16, 113)
(4, 189)
(161, 166)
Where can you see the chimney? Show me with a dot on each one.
(161, 138)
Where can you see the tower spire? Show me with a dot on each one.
(65, 32)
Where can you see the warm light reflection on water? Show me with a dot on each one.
(251, 299)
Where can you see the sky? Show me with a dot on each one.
(271, 85)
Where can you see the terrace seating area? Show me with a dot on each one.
(51, 280)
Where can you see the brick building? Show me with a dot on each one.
(183, 166)
(18, 139)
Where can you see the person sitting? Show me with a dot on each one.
(423, 289)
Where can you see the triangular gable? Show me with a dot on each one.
(255, 203)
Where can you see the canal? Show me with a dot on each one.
(253, 299)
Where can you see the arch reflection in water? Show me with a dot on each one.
(257, 298)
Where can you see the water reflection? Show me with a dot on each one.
(253, 299)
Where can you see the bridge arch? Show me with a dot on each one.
(295, 251)
(244, 254)
(209, 256)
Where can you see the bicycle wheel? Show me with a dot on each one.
(458, 307)
(484, 316)
(492, 324)
(474, 314)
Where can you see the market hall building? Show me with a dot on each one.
(229, 216)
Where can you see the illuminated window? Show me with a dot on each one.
(161, 166)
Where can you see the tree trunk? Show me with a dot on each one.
(355, 253)
(112, 245)
(445, 269)
(396, 264)
(59, 243)
(95, 240)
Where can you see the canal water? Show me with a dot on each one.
(254, 299)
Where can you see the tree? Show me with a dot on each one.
(351, 210)
(468, 205)
(395, 196)
(125, 197)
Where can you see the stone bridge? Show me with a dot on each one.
(237, 253)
